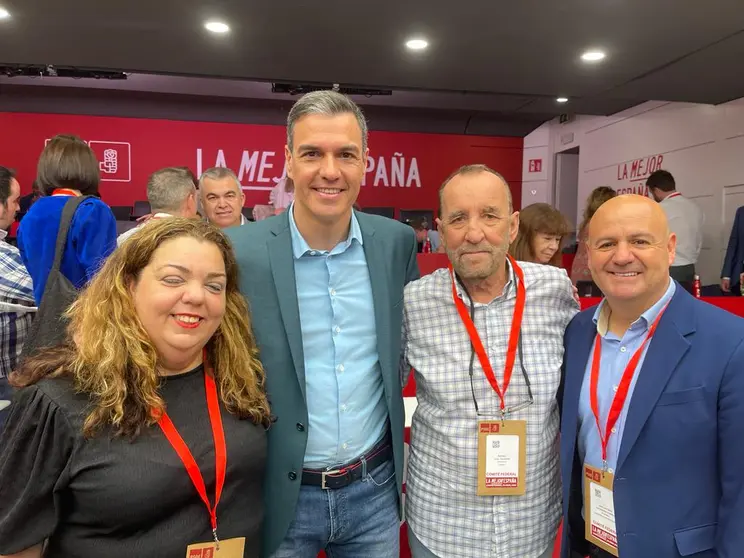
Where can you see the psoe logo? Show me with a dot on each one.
(114, 159)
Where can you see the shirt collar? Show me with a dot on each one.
(161, 215)
(3, 234)
(462, 293)
(671, 196)
(601, 316)
(300, 247)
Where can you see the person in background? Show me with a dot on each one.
(16, 291)
(733, 262)
(10, 195)
(421, 227)
(505, 308)
(160, 349)
(326, 284)
(651, 450)
(172, 193)
(282, 195)
(541, 231)
(686, 222)
(581, 276)
(222, 197)
(195, 181)
(67, 167)
(29, 199)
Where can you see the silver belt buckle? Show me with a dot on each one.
(323, 478)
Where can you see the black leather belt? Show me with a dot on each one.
(346, 474)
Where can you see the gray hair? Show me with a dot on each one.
(218, 173)
(474, 169)
(327, 103)
(168, 188)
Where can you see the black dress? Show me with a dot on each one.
(114, 498)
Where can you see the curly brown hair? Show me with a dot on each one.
(595, 199)
(110, 357)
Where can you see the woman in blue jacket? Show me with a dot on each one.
(67, 167)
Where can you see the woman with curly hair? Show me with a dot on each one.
(155, 404)
(580, 274)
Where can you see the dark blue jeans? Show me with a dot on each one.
(357, 521)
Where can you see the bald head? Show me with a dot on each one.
(630, 251)
(630, 206)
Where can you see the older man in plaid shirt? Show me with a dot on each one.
(16, 290)
(485, 339)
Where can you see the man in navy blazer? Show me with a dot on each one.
(733, 263)
(666, 479)
(325, 286)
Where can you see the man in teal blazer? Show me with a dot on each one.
(325, 287)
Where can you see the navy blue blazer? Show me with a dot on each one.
(733, 263)
(679, 481)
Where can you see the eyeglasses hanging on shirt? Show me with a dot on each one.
(502, 444)
(507, 410)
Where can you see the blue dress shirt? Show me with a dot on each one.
(616, 353)
(345, 393)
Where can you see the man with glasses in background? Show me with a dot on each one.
(485, 339)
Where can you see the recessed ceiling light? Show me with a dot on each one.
(4, 14)
(593, 56)
(561, 100)
(217, 27)
(417, 44)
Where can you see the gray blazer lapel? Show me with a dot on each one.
(281, 261)
(378, 265)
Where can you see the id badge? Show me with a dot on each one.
(228, 548)
(502, 457)
(599, 509)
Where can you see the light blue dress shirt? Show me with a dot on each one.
(616, 353)
(345, 393)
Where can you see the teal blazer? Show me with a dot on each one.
(267, 280)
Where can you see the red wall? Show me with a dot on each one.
(405, 170)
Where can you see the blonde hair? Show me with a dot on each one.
(534, 219)
(111, 358)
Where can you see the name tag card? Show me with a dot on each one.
(599, 509)
(229, 548)
(502, 457)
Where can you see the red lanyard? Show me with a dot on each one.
(64, 192)
(618, 402)
(516, 324)
(220, 448)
